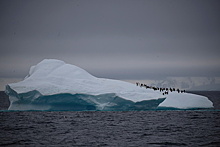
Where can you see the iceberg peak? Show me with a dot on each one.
(57, 68)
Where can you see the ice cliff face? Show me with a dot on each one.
(54, 85)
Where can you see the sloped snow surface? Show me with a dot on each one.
(54, 85)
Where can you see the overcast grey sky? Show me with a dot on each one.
(121, 39)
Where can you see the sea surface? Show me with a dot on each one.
(111, 128)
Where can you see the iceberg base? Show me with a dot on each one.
(79, 102)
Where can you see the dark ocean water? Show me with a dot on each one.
(111, 128)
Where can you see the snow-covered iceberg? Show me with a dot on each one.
(185, 101)
(54, 85)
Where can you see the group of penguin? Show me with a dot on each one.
(164, 90)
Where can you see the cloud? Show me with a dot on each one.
(115, 39)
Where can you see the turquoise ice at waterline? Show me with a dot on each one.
(55, 85)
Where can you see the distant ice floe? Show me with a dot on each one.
(54, 85)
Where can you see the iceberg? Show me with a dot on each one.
(55, 85)
(185, 101)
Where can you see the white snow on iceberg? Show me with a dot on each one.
(54, 85)
(185, 101)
